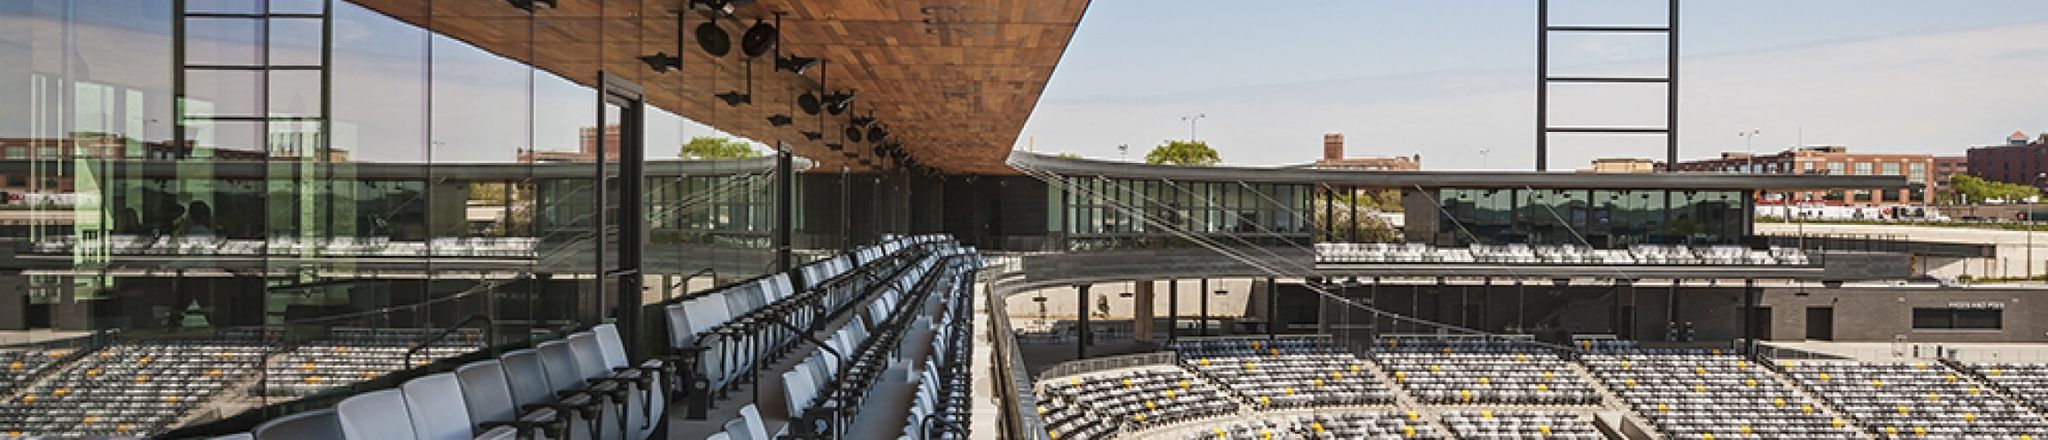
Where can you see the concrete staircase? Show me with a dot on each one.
(1826, 407)
(1611, 401)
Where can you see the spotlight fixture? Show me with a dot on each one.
(713, 39)
(853, 134)
(759, 39)
(812, 135)
(528, 5)
(780, 120)
(860, 121)
(876, 133)
(662, 62)
(719, 8)
(835, 146)
(837, 102)
(735, 98)
(795, 64)
(810, 103)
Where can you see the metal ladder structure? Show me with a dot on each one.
(1544, 80)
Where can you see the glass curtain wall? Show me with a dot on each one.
(1103, 213)
(1597, 218)
(338, 196)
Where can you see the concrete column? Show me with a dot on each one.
(1172, 310)
(1082, 333)
(1141, 310)
(13, 301)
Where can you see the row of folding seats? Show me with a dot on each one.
(1350, 425)
(722, 337)
(1232, 346)
(1726, 396)
(1915, 399)
(129, 389)
(492, 247)
(350, 355)
(1521, 424)
(20, 366)
(580, 388)
(2027, 381)
(1556, 254)
(1132, 399)
(869, 344)
(1295, 380)
(1452, 344)
(1538, 378)
(947, 381)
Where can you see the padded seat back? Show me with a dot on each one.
(560, 363)
(437, 407)
(610, 345)
(486, 393)
(528, 377)
(589, 356)
(375, 415)
(310, 425)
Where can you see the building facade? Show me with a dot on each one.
(1920, 171)
(1334, 159)
(2018, 161)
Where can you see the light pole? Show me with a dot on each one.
(1747, 136)
(1482, 157)
(1191, 120)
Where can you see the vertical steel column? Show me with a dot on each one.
(1082, 333)
(1205, 306)
(785, 192)
(1543, 86)
(1749, 333)
(1671, 90)
(1172, 310)
(1272, 308)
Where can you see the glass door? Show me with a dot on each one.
(619, 211)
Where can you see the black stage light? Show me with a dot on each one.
(528, 5)
(719, 8)
(662, 62)
(810, 103)
(835, 146)
(780, 120)
(713, 39)
(853, 134)
(876, 133)
(735, 98)
(795, 64)
(837, 102)
(813, 135)
(860, 121)
(758, 39)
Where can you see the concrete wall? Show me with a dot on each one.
(1878, 314)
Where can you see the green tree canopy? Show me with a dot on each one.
(1975, 189)
(706, 148)
(1185, 153)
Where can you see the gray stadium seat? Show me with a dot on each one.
(488, 396)
(375, 415)
(310, 425)
(437, 407)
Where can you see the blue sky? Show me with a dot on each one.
(1447, 78)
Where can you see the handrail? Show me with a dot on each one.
(422, 343)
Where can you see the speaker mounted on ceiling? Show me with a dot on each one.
(780, 120)
(529, 5)
(760, 38)
(810, 103)
(662, 62)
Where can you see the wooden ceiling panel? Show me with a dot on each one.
(954, 80)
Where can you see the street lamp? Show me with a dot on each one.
(1482, 157)
(1191, 120)
(1747, 136)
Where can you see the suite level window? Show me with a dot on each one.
(1958, 319)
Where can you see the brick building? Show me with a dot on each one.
(1920, 171)
(2018, 161)
(1333, 158)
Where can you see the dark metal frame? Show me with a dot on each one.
(1544, 79)
(631, 100)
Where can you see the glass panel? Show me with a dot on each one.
(295, 93)
(237, 93)
(224, 41)
(295, 41)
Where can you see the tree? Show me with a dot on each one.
(1975, 189)
(1184, 153)
(709, 148)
